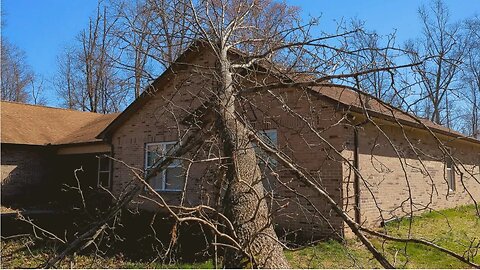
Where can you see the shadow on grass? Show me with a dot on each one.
(140, 240)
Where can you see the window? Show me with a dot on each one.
(270, 138)
(449, 164)
(103, 171)
(170, 179)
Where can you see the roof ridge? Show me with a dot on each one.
(55, 108)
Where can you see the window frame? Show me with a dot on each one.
(163, 172)
(108, 171)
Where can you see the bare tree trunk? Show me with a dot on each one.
(245, 203)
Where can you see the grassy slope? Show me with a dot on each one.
(450, 228)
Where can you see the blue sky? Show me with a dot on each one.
(43, 28)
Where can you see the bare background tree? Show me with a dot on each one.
(16, 75)
(18, 81)
(37, 91)
(372, 51)
(443, 42)
(260, 51)
(131, 31)
(87, 79)
(67, 82)
(471, 79)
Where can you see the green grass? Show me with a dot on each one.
(137, 265)
(16, 255)
(452, 228)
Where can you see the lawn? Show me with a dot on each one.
(449, 228)
(15, 255)
(452, 228)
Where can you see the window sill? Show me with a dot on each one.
(168, 190)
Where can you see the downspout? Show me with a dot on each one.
(356, 176)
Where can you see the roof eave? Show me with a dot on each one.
(412, 124)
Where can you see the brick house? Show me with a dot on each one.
(42, 146)
(401, 167)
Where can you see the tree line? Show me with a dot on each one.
(126, 44)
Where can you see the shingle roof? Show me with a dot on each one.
(350, 97)
(344, 95)
(39, 125)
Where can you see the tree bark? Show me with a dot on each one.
(245, 203)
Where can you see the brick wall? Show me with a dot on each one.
(404, 178)
(23, 170)
(157, 121)
(306, 214)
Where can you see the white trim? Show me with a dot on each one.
(163, 172)
(450, 171)
(99, 171)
